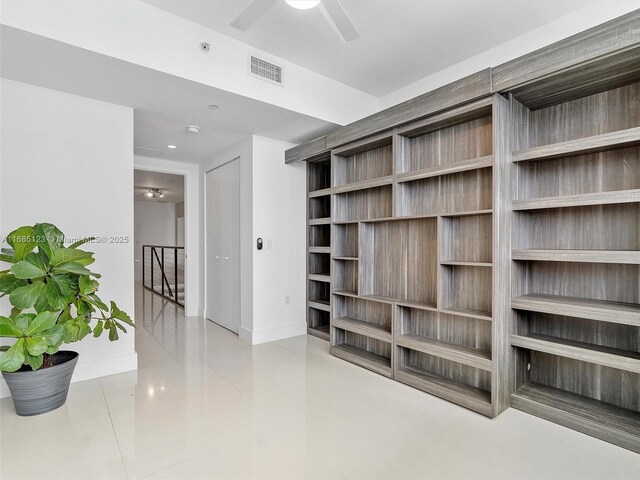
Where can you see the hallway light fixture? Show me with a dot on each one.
(193, 129)
(172, 147)
(303, 4)
(155, 193)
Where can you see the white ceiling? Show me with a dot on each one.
(163, 104)
(401, 41)
(171, 185)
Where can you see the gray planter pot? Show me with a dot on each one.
(41, 391)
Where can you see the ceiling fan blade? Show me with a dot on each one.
(251, 13)
(336, 15)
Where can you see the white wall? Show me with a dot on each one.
(139, 33)
(154, 224)
(68, 160)
(279, 218)
(194, 245)
(594, 14)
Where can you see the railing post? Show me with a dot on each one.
(153, 250)
(175, 269)
(162, 267)
(144, 272)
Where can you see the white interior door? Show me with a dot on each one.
(223, 251)
(231, 245)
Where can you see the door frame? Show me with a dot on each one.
(192, 227)
(206, 240)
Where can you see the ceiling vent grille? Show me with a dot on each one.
(264, 70)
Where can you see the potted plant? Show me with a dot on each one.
(54, 300)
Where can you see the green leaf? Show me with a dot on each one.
(98, 303)
(83, 307)
(35, 362)
(23, 320)
(97, 330)
(9, 282)
(48, 237)
(76, 330)
(42, 303)
(55, 297)
(14, 358)
(113, 333)
(67, 283)
(54, 338)
(26, 296)
(8, 328)
(7, 258)
(67, 255)
(73, 267)
(120, 315)
(81, 242)
(36, 345)
(42, 322)
(27, 270)
(23, 241)
(87, 285)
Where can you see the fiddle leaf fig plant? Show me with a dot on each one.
(53, 297)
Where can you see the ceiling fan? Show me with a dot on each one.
(332, 10)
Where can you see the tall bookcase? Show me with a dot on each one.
(319, 246)
(576, 262)
(415, 292)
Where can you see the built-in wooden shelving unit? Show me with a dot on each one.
(576, 263)
(319, 246)
(481, 242)
(413, 255)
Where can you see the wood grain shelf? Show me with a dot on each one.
(461, 263)
(467, 213)
(319, 193)
(580, 256)
(346, 259)
(581, 200)
(605, 311)
(586, 415)
(464, 395)
(319, 278)
(585, 352)
(581, 146)
(319, 305)
(456, 353)
(467, 312)
(319, 221)
(362, 185)
(345, 293)
(320, 331)
(368, 329)
(369, 360)
(319, 249)
(448, 169)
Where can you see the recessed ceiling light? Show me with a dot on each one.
(214, 107)
(303, 4)
(171, 146)
(193, 129)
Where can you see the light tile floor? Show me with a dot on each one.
(203, 404)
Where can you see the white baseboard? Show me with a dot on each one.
(93, 369)
(257, 337)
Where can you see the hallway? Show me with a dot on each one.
(203, 404)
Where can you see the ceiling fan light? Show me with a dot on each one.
(303, 4)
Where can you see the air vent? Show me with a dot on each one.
(264, 70)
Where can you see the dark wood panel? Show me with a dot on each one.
(462, 91)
